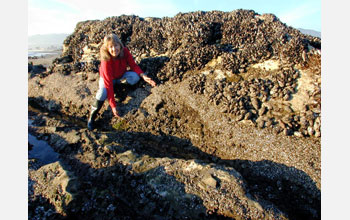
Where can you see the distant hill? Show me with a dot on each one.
(55, 41)
(46, 41)
(310, 32)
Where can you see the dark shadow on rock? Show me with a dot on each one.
(126, 195)
(288, 188)
(296, 88)
(116, 192)
(131, 104)
(153, 65)
(40, 208)
(63, 60)
(136, 97)
(53, 109)
(113, 188)
(34, 70)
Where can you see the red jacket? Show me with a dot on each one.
(114, 69)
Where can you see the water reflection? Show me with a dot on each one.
(41, 150)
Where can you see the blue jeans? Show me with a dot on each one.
(131, 78)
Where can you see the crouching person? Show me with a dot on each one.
(115, 58)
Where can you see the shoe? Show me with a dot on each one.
(95, 108)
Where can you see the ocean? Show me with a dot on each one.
(34, 53)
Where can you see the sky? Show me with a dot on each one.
(61, 16)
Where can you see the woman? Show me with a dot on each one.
(115, 58)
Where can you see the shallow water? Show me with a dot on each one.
(41, 150)
(38, 53)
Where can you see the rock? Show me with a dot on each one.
(72, 137)
(288, 131)
(55, 184)
(282, 124)
(149, 208)
(92, 76)
(317, 134)
(35, 69)
(239, 117)
(53, 106)
(268, 123)
(310, 131)
(209, 180)
(256, 103)
(268, 105)
(261, 124)
(303, 121)
(317, 124)
(248, 116)
(298, 134)
(288, 109)
(64, 59)
(262, 110)
(254, 112)
(286, 97)
(264, 98)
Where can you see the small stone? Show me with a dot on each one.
(277, 129)
(268, 106)
(261, 124)
(256, 103)
(240, 117)
(288, 131)
(253, 111)
(268, 123)
(317, 126)
(51, 129)
(262, 110)
(209, 180)
(286, 97)
(288, 109)
(282, 124)
(310, 131)
(264, 99)
(298, 134)
(317, 134)
(73, 137)
(248, 116)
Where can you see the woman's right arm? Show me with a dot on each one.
(106, 74)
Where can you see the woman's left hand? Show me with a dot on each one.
(149, 80)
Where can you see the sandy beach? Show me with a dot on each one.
(46, 59)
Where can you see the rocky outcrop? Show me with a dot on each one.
(232, 129)
(52, 183)
(237, 59)
(140, 174)
(35, 69)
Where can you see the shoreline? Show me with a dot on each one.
(45, 59)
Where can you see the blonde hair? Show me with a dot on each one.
(110, 38)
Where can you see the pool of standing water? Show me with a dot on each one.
(41, 150)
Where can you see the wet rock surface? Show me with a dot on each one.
(231, 131)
